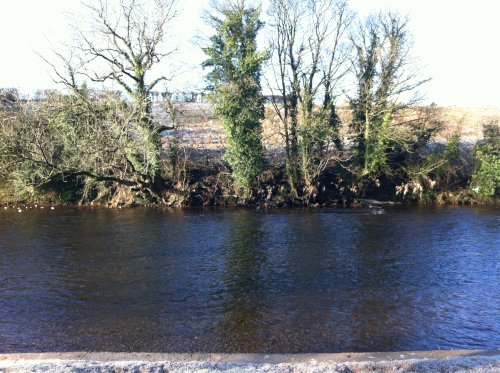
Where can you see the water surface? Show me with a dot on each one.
(246, 281)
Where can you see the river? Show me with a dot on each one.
(237, 280)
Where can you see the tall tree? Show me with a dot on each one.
(309, 61)
(386, 80)
(121, 43)
(235, 65)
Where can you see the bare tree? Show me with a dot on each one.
(309, 62)
(127, 41)
(122, 43)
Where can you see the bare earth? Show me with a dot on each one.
(395, 362)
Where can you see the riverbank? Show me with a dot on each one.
(216, 190)
(409, 361)
(181, 201)
(429, 163)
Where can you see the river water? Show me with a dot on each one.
(231, 280)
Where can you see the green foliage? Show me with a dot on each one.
(29, 149)
(384, 141)
(432, 172)
(244, 148)
(234, 78)
(72, 138)
(375, 157)
(486, 176)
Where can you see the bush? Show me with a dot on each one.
(435, 172)
(485, 180)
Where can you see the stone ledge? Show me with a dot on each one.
(408, 361)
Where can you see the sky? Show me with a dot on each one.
(457, 43)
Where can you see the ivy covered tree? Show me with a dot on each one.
(386, 84)
(234, 78)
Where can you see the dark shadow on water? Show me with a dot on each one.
(243, 300)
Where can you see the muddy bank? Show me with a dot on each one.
(421, 361)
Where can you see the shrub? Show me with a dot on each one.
(485, 180)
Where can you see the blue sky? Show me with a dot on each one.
(457, 43)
